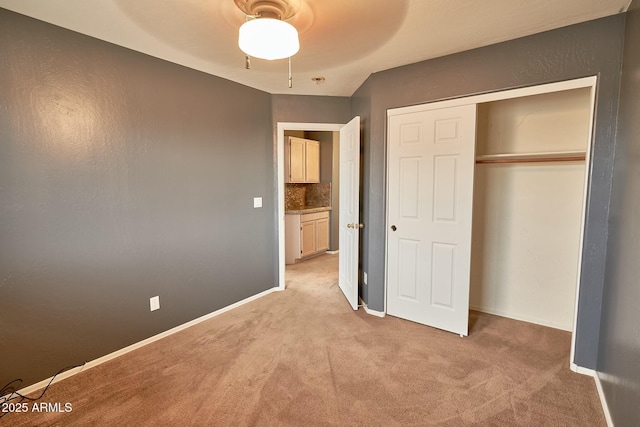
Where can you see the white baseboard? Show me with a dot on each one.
(42, 384)
(516, 316)
(370, 311)
(603, 400)
(596, 378)
(581, 370)
(333, 252)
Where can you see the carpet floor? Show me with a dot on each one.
(302, 357)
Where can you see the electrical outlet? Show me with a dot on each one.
(257, 202)
(154, 303)
(364, 278)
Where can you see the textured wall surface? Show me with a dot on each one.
(619, 355)
(122, 177)
(310, 109)
(587, 49)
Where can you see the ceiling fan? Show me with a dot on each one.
(265, 33)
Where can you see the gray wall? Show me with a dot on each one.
(310, 109)
(591, 48)
(121, 177)
(619, 355)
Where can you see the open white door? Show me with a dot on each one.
(430, 189)
(349, 210)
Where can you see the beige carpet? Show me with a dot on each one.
(303, 358)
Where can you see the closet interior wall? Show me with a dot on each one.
(527, 215)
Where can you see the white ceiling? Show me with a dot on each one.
(342, 40)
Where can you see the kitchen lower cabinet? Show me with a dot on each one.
(306, 235)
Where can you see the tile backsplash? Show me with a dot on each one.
(300, 196)
(294, 196)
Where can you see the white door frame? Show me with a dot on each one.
(281, 128)
(586, 82)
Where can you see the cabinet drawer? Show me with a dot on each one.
(314, 216)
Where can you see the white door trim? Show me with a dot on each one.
(280, 129)
(586, 82)
(498, 96)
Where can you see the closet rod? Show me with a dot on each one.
(533, 160)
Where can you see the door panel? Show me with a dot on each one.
(296, 160)
(322, 234)
(444, 188)
(409, 187)
(312, 161)
(442, 266)
(431, 165)
(349, 210)
(308, 237)
(407, 273)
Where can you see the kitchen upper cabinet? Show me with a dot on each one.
(312, 161)
(296, 160)
(302, 160)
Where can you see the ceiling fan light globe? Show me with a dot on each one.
(268, 38)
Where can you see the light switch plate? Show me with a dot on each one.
(154, 303)
(364, 278)
(257, 202)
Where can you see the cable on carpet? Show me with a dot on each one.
(9, 393)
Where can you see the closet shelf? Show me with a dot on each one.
(554, 156)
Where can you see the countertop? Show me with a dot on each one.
(308, 209)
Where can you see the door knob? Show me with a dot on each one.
(394, 228)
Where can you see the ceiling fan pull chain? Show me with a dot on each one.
(290, 78)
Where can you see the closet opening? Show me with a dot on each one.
(528, 203)
(486, 204)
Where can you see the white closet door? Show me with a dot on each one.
(430, 182)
